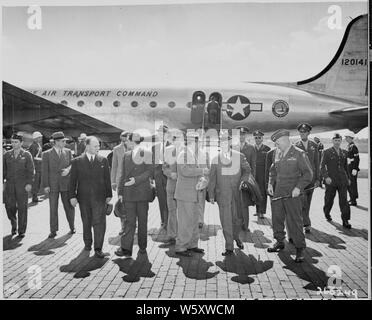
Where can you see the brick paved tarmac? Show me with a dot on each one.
(66, 271)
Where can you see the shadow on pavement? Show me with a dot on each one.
(208, 231)
(243, 266)
(257, 237)
(305, 270)
(194, 267)
(10, 243)
(353, 232)
(263, 222)
(318, 236)
(82, 264)
(135, 269)
(46, 246)
(362, 207)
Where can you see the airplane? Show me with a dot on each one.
(335, 98)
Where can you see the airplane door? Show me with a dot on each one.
(197, 107)
(214, 110)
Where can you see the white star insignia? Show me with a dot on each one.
(238, 107)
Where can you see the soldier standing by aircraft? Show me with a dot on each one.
(249, 152)
(334, 170)
(213, 109)
(353, 167)
(290, 173)
(311, 150)
(261, 151)
(18, 175)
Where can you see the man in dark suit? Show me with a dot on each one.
(134, 190)
(353, 167)
(55, 177)
(336, 177)
(159, 177)
(90, 185)
(260, 151)
(248, 151)
(311, 150)
(36, 150)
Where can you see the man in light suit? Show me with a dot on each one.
(135, 192)
(228, 170)
(55, 177)
(90, 185)
(188, 175)
(117, 163)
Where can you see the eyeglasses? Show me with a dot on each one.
(258, 137)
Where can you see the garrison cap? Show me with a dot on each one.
(258, 133)
(58, 136)
(304, 127)
(136, 137)
(244, 130)
(16, 136)
(124, 134)
(336, 136)
(350, 134)
(279, 133)
(36, 135)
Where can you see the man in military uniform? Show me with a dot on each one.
(261, 151)
(249, 152)
(335, 173)
(291, 172)
(18, 175)
(36, 150)
(353, 167)
(311, 150)
(213, 108)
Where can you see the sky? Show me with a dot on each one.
(112, 46)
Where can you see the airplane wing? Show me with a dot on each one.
(24, 111)
(356, 117)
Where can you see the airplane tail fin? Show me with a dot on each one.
(346, 76)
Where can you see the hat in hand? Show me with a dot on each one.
(119, 209)
(108, 208)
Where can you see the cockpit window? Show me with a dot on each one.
(98, 103)
(80, 103)
(116, 103)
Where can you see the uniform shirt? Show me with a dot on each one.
(353, 157)
(36, 150)
(334, 166)
(290, 170)
(18, 169)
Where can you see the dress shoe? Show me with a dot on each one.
(21, 235)
(227, 253)
(121, 232)
(328, 217)
(256, 214)
(346, 224)
(184, 253)
(99, 254)
(239, 244)
(72, 231)
(299, 255)
(142, 251)
(123, 253)
(290, 240)
(278, 246)
(170, 241)
(52, 235)
(201, 225)
(196, 250)
(14, 232)
(35, 200)
(353, 203)
(307, 229)
(87, 248)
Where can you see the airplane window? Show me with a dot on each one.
(134, 104)
(80, 103)
(171, 104)
(64, 102)
(153, 104)
(98, 103)
(116, 103)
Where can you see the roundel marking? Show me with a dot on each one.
(238, 107)
(280, 108)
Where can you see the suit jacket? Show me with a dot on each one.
(270, 157)
(334, 166)
(312, 153)
(51, 168)
(250, 154)
(90, 181)
(225, 178)
(189, 173)
(117, 163)
(140, 168)
(36, 152)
